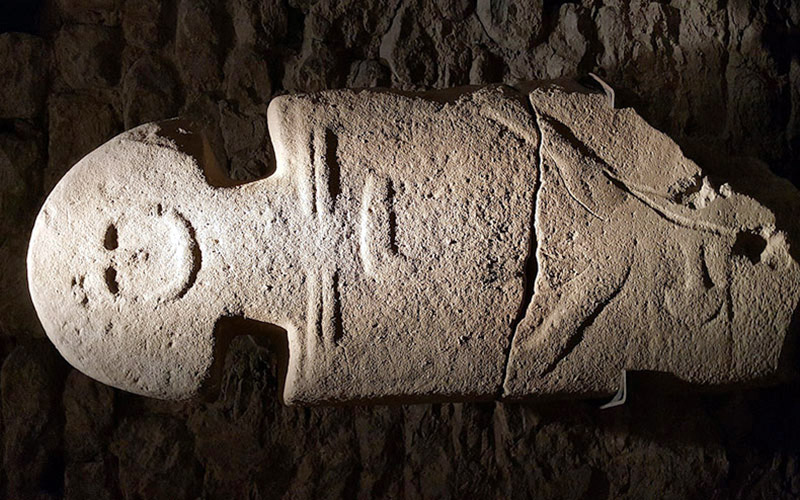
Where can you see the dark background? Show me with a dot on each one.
(717, 74)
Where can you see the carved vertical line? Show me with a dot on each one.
(365, 234)
(730, 311)
(708, 281)
(313, 177)
(338, 329)
(313, 319)
(390, 196)
(332, 162)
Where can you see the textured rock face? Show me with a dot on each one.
(642, 263)
(470, 244)
(25, 71)
(720, 78)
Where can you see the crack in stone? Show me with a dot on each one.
(531, 266)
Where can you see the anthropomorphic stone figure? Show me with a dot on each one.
(479, 243)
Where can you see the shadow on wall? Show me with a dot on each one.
(19, 16)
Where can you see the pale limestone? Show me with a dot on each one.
(475, 243)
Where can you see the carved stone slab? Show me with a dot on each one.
(479, 243)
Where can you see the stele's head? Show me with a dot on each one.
(115, 265)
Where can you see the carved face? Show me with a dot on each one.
(114, 262)
(152, 255)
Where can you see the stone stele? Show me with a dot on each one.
(478, 243)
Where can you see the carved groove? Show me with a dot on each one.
(313, 176)
(110, 240)
(111, 280)
(390, 194)
(572, 195)
(637, 192)
(708, 282)
(332, 161)
(577, 337)
(365, 234)
(197, 256)
(338, 329)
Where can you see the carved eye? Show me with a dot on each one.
(111, 280)
(110, 240)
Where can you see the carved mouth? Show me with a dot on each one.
(163, 269)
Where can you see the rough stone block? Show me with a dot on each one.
(197, 45)
(141, 24)
(511, 23)
(90, 11)
(89, 412)
(150, 91)
(78, 123)
(30, 388)
(23, 75)
(88, 56)
(468, 244)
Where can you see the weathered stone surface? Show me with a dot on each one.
(88, 480)
(410, 170)
(23, 73)
(197, 45)
(247, 81)
(30, 382)
(739, 444)
(512, 24)
(78, 123)
(87, 55)
(141, 23)
(156, 459)
(454, 244)
(90, 11)
(88, 409)
(705, 271)
(479, 354)
(149, 91)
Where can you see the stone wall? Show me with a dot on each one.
(716, 75)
